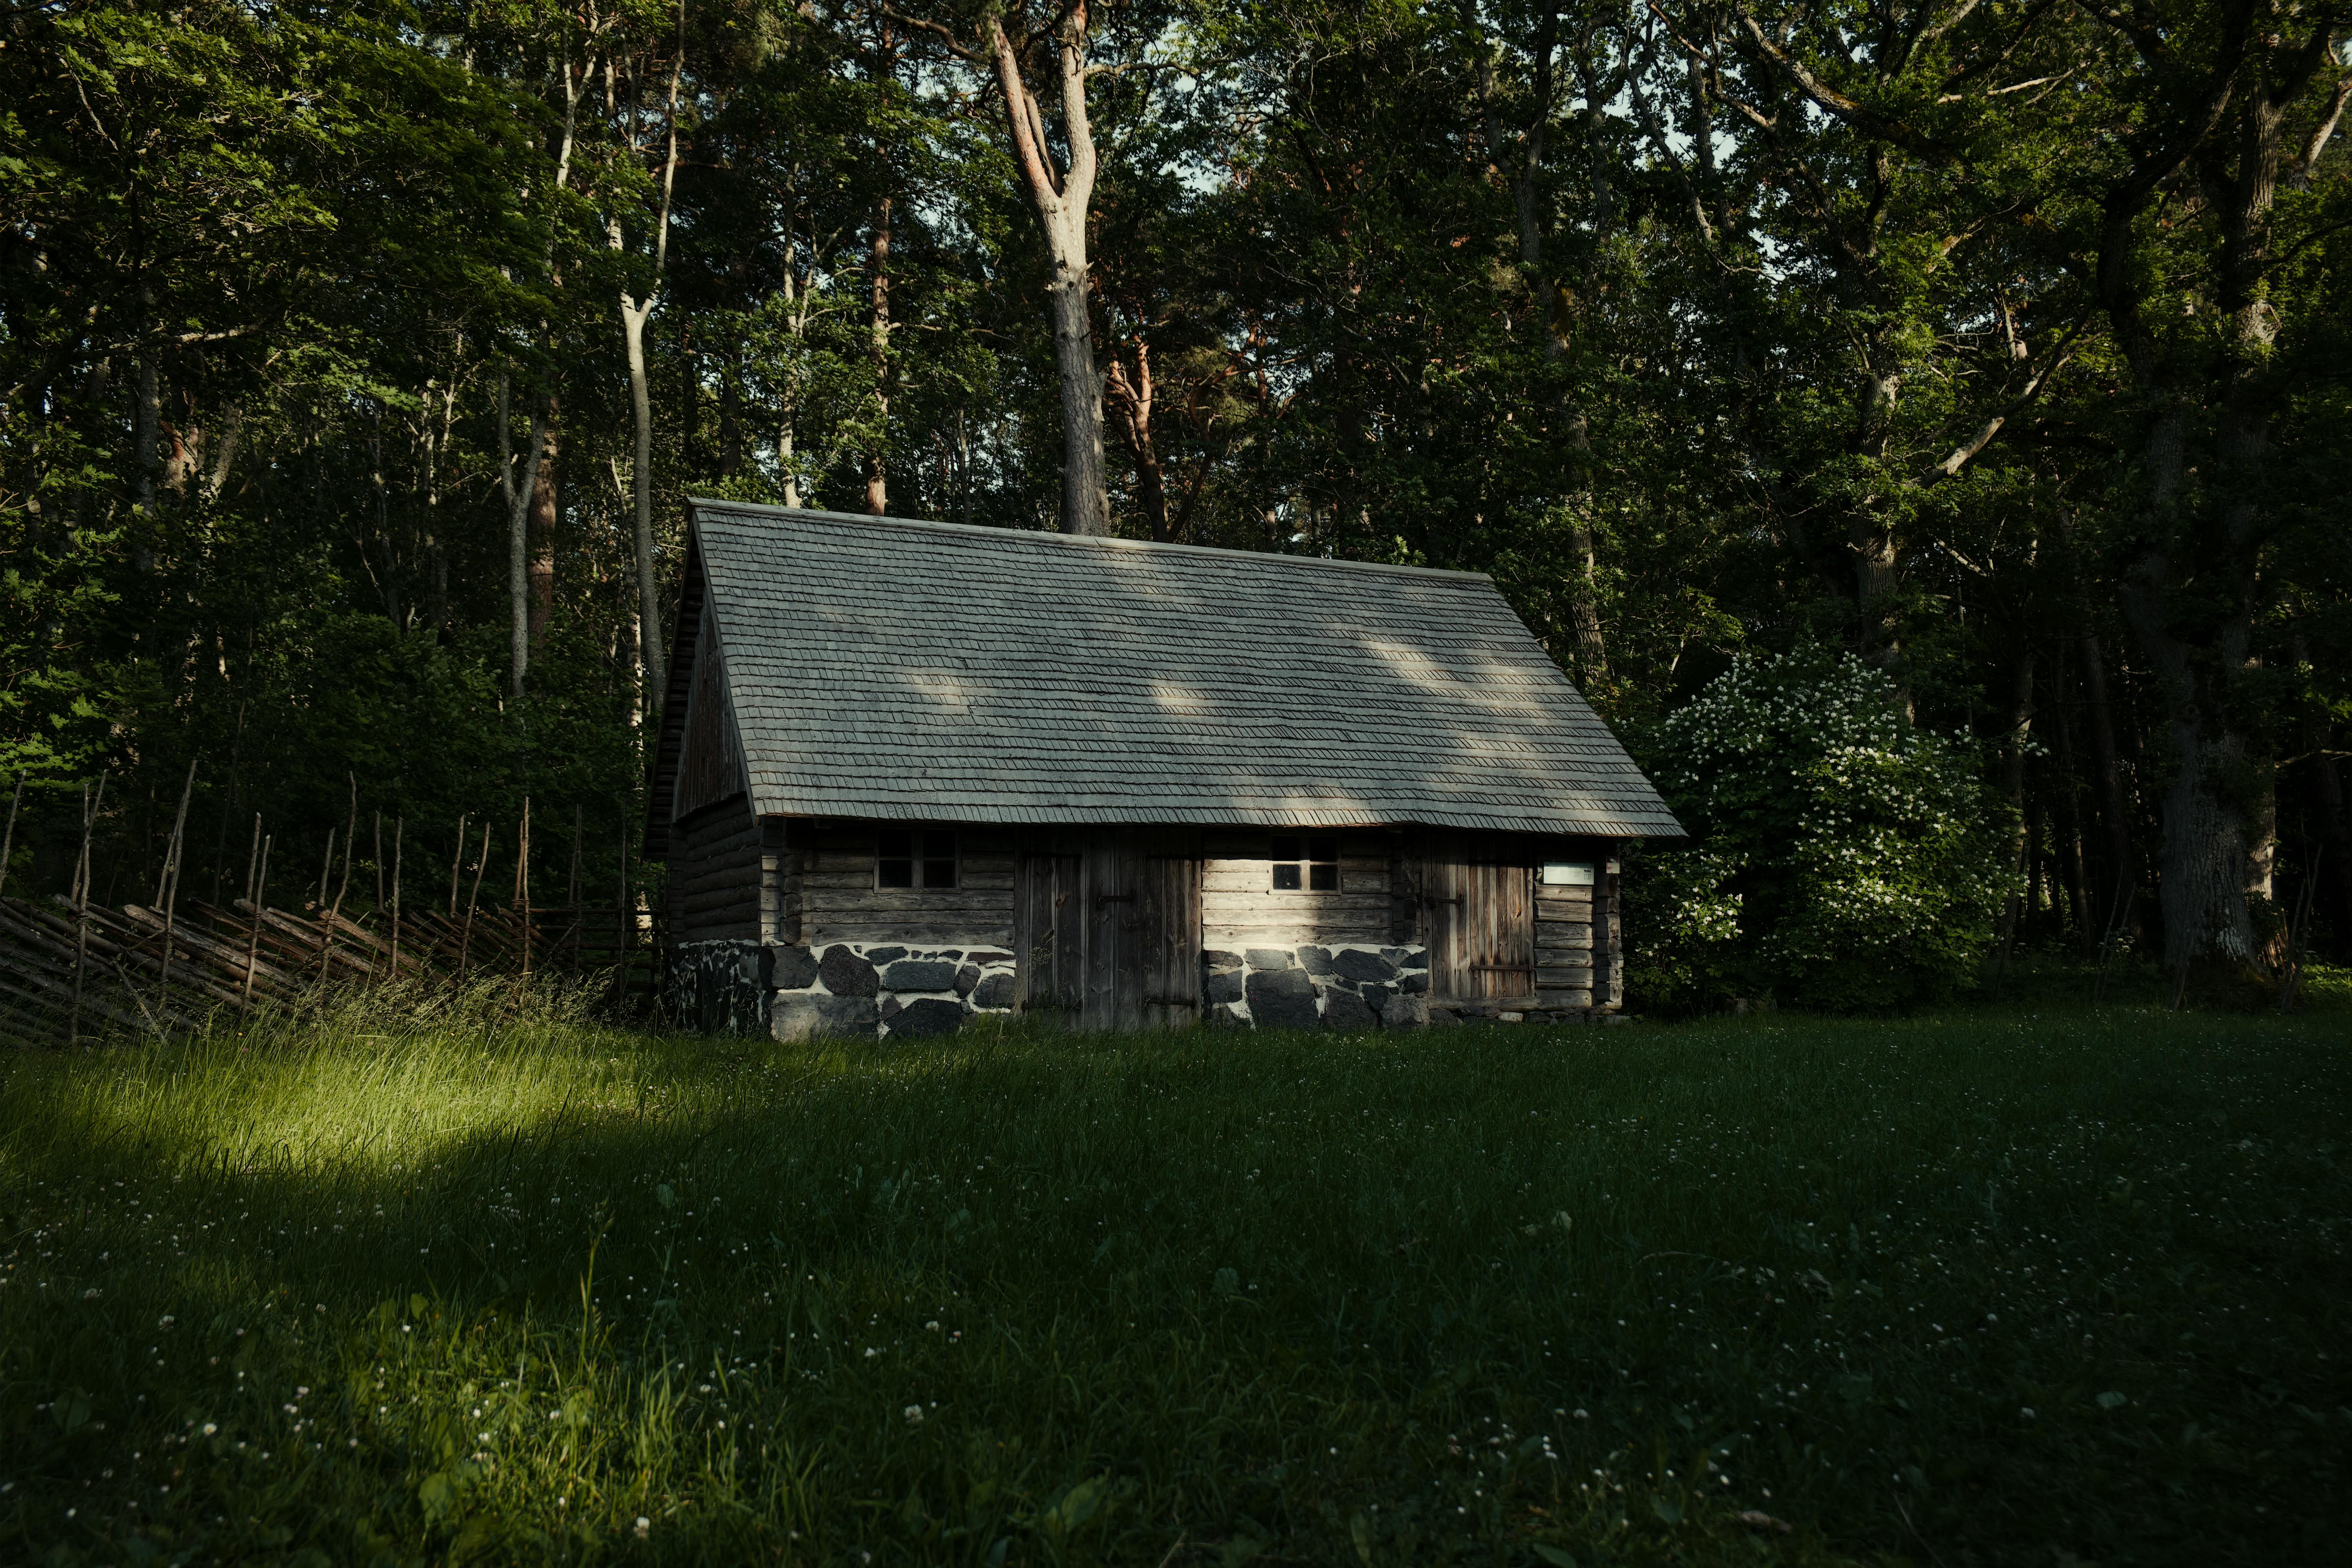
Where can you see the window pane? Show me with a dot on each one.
(939, 873)
(896, 846)
(1285, 848)
(1323, 876)
(895, 873)
(1286, 879)
(1322, 849)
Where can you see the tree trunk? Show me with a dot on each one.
(2012, 780)
(2069, 812)
(146, 438)
(1130, 404)
(1060, 198)
(877, 338)
(2192, 597)
(519, 491)
(649, 644)
(1086, 497)
(543, 544)
(633, 315)
(2113, 813)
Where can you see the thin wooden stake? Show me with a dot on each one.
(89, 811)
(466, 938)
(253, 944)
(170, 896)
(398, 824)
(251, 856)
(318, 906)
(522, 886)
(328, 918)
(456, 860)
(8, 844)
(379, 890)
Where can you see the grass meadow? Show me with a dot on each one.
(2037, 1285)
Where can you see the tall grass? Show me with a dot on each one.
(475, 1287)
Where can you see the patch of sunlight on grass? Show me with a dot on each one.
(479, 1285)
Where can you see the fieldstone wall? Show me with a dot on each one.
(718, 987)
(871, 991)
(1314, 987)
(882, 991)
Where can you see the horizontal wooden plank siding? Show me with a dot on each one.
(837, 900)
(714, 874)
(1241, 909)
(1458, 891)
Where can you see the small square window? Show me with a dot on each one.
(914, 859)
(1312, 863)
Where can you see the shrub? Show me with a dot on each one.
(1842, 857)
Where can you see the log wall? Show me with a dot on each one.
(1240, 909)
(715, 881)
(828, 888)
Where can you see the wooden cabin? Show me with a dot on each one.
(909, 773)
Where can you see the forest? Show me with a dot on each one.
(358, 359)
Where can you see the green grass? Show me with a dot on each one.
(1985, 1288)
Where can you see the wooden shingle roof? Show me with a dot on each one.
(891, 669)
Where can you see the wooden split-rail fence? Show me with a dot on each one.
(69, 971)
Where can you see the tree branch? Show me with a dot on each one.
(1858, 115)
(1960, 456)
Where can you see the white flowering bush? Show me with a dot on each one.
(1842, 857)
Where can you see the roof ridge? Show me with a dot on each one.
(761, 508)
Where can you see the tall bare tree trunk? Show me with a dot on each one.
(878, 344)
(634, 311)
(518, 490)
(796, 313)
(1060, 198)
(633, 333)
(543, 542)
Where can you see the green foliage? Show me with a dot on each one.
(53, 701)
(1844, 860)
(431, 1288)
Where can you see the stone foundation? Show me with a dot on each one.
(874, 990)
(885, 992)
(1314, 987)
(719, 987)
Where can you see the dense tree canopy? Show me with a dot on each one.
(357, 358)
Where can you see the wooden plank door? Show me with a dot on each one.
(1111, 926)
(1481, 904)
(1167, 964)
(1107, 927)
(1049, 925)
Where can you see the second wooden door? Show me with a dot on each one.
(1106, 925)
(1481, 922)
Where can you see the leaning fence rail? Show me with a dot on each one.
(70, 967)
